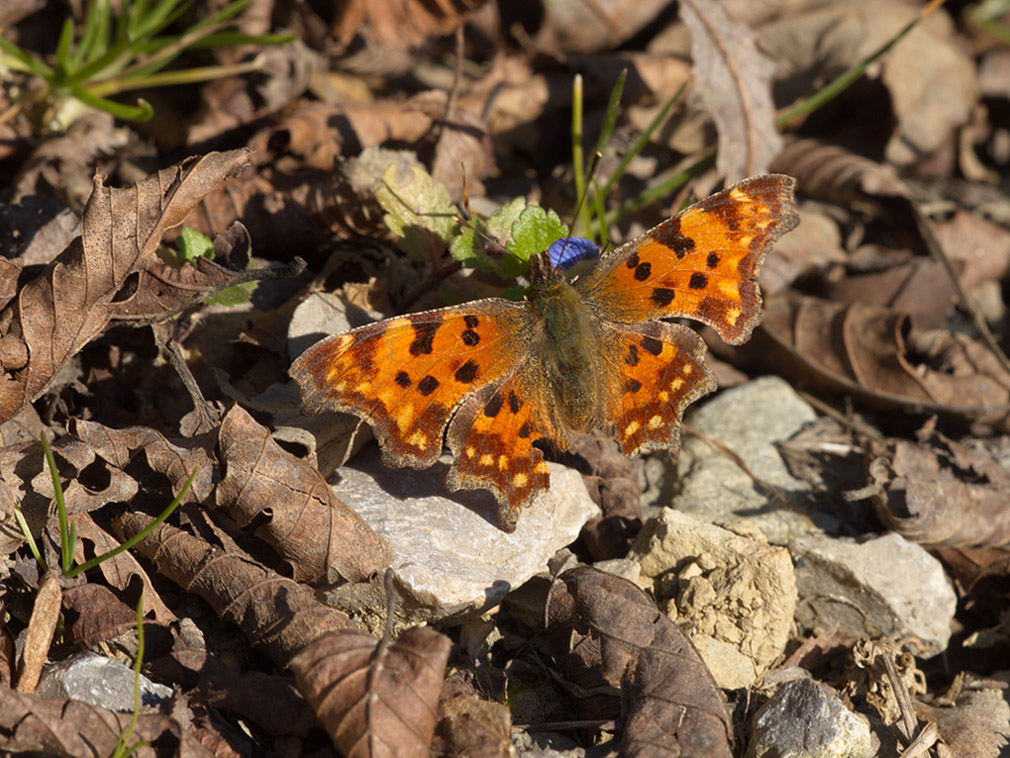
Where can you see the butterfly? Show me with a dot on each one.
(589, 353)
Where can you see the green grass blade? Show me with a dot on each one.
(29, 538)
(642, 141)
(578, 159)
(654, 193)
(63, 49)
(94, 39)
(610, 117)
(140, 535)
(846, 79)
(21, 60)
(142, 111)
(66, 534)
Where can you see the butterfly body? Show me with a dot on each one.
(491, 377)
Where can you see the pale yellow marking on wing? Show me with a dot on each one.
(341, 385)
(687, 370)
(729, 288)
(470, 451)
(363, 387)
(404, 416)
(418, 440)
(503, 462)
(519, 480)
(540, 468)
(664, 396)
(486, 460)
(631, 428)
(739, 195)
(732, 314)
(655, 422)
(675, 385)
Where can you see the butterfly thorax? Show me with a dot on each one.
(566, 346)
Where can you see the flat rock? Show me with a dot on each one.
(883, 587)
(803, 720)
(451, 559)
(101, 682)
(749, 420)
(738, 591)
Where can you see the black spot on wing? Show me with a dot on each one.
(403, 379)
(493, 407)
(427, 385)
(424, 336)
(662, 296)
(467, 372)
(698, 281)
(652, 345)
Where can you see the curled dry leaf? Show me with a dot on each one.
(306, 523)
(58, 726)
(278, 615)
(400, 23)
(119, 570)
(175, 459)
(734, 79)
(876, 355)
(939, 492)
(93, 614)
(676, 708)
(375, 699)
(72, 300)
(45, 614)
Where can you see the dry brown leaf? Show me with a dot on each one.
(295, 509)
(582, 27)
(875, 355)
(278, 615)
(119, 570)
(929, 75)
(45, 614)
(676, 708)
(93, 614)
(734, 80)
(376, 699)
(175, 459)
(939, 492)
(400, 23)
(70, 728)
(71, 302)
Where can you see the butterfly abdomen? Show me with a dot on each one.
(568, 352)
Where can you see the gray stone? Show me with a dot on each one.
(101, 682)
(749, 420)
(452, 560)
(803, 720)
(738, 592)
(883, 587)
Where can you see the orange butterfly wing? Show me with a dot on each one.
(656, 370)
(406, 376)
(701, 264)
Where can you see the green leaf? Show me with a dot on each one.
(232, 296)
(471, 247)
(418, 210)
(534, 231)
(192, 245)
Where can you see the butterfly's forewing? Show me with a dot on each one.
(406, 376)
(657, 370)
(702, 264)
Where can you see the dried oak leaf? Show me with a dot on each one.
(119, 570)
(676, 708)
(176, 459)
(940, 492)
(734, 80)
(277, 615)
(72, 300)
(400, 23)
(58, 726)
(875, 354)
(295, 509)
(375, 698)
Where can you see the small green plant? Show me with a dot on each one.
(122, 751)
(68, 532)
(118, 54)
